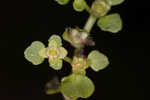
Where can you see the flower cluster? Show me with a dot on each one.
(99, 9)
(77, 84)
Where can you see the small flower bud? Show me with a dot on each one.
(100, 8)
(77, 37)
(79, 5)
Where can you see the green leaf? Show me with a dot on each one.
(62, 52)
(32, 53)
(111, 23)
(55, 41)
(79, 5)
(77, 85)
(62, 2)
(116, 2)
(98, 61)
(56, 63)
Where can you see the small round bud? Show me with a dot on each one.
(100, 8)
(79, 5)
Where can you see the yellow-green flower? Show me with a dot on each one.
(79, 64)
(95, 60)
(55, 53)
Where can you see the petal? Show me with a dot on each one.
(98, 61)
(32, 53)
(62, 52)
(43, 53)
(77, 85)
(55, 63)
(111, 23)
(55, 41)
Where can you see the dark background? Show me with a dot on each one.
(25, 21)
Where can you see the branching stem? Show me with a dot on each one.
(87, 8)
(90, 23)
(67, 59)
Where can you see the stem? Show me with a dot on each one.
(90, 23)
(49, 92)
(67, 59)
(87, 8)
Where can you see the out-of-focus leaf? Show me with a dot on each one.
(62, 2)
(111, 23)
(32, 53)
(77, 85)
(55, 41)
(116, 2)
(56, 63)
(52, 87)
(98, 61)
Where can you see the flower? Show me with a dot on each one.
(37, 52)
(77, 37)
(79, 64)
(55, 52)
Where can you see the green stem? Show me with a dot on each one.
(49, 92)
(67, 59)
(90, 23)
(87, 8)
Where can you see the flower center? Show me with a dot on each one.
(53, 53)
(79, 64)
